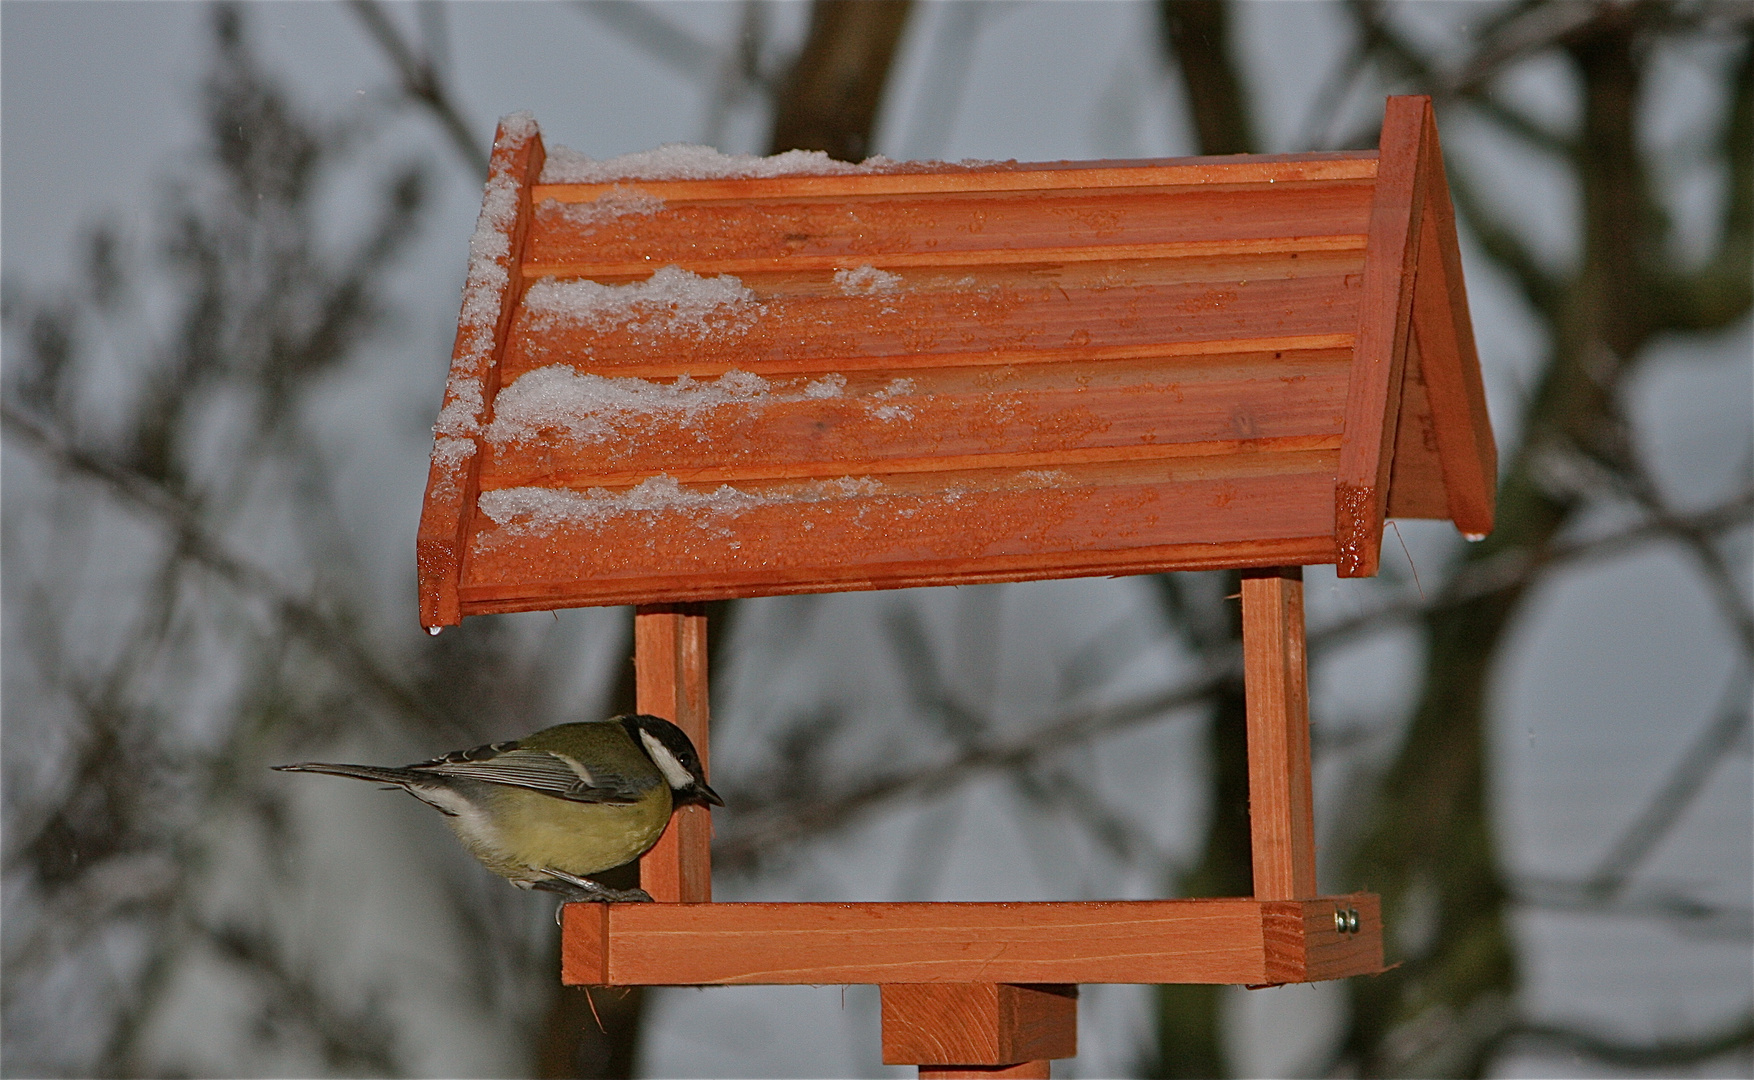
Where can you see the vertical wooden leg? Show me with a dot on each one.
(1275, 673)
(979, 1029)
(669, 657)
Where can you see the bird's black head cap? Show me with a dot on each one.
(662, 740)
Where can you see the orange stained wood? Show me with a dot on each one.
(670, 672)
(1281, 806)
(941, 374)
(985, 1024)
(1138, 941)
(1023, 1070)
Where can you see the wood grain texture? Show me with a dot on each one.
(946, 419)
(1305, 944)
(950, 177)
(802, 324)
(584, 944)
(670, 672)
(1461, 427)
(1281, 810)
(544, 595)
(1138, 941)
(830, 535)
(482, 329)
(978, 1023)
(945, 230)
(1416, 477)
(1385, 312)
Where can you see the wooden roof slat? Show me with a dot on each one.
(818, 537)
(1037, 416)
(943, 177)
(748, 235)
(1008, 320)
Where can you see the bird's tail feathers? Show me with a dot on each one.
(376, 774)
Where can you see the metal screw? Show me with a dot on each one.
(1346, 920)
(1352, 920)
(1339, 920)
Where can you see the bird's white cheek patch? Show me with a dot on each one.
(674, 773)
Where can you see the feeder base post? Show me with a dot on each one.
(979, 1029)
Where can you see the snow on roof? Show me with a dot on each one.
(541, 510)
(684, 161)
(593, 408)
(671, 301)
(617, 202)
(866, 280)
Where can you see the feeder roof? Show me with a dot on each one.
(684, 376)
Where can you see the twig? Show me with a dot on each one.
(328, 636)
(422, 82)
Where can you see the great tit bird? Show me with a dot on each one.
(551, 808)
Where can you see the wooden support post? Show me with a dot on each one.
(979, 1029)
(1281, 809)
(669, 658)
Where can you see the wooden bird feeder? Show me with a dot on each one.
(667, 391)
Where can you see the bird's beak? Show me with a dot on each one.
(703, 793)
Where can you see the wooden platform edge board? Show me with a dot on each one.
(1451, 363)
(1385, 317)
(1238, 941)
(490, 295)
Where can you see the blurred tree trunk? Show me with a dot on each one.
(1428, 846)
(1190, 1021)
(829, 102)
(831, 97)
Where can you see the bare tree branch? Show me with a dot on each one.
(661, 39)
(1683, 784)
(423, 83)
(830, 98)
(765, 825)
(318, 629)
(1736, 1033)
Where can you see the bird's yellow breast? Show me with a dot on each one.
(548, 833)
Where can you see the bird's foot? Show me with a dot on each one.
(584, 889)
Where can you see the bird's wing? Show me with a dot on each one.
(536, 770)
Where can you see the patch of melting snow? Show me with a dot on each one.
(520, 511)
(684, 161)
(617, 202)
(671, 301)
(595, 408)
(896, 388)
(866, 281)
